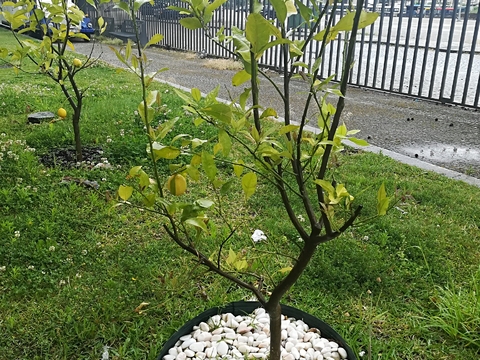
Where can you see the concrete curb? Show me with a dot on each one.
(374, 149)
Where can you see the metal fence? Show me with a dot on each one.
(425, 51)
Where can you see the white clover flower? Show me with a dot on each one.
(109, 140)
(301, 218)
(31, 267)
(366, 238)
(34, 189)
(258, 235)
(17, 234)
(78, 275)
(62, 282)
(51, 248)
(3, 268)
(361, 353)
(84, 252)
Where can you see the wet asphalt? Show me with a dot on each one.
(411, 130)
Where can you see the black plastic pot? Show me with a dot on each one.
(247, 307)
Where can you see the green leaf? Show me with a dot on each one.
(204, 203)
(327, 186)
(244, 97)
(191, 23)
(123, 6)
(134, 171)
(153, 40)
(240, 77)
(280, 9)
(193, 172)
(288, 128)
(225, 140)
(225, 188)
(197, 222)
(209, 165)
(346, 22)
(150, 113)
(382, 201)
(238, 168)
(152, 97)
(125, 192)
(249, 184)
(164, 152)
(258, 33)
(285, 270)
(149, 200)
(305, 11)
(359, 142)
(196, 94)
(221, 112)
(268, 112)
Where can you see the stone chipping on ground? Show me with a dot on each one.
(227, 336)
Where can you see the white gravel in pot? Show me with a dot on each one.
(227, 336)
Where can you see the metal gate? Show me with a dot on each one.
(425, 51)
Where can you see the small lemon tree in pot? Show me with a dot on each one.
(292, 160)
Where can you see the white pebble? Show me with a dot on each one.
(204, 326)
(222, 348)
(182, 356)
(187, 343)
(342, 352)
(189, 353)
(198, 346)
(295, 353)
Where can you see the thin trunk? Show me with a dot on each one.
(76, 130)
(275, 311)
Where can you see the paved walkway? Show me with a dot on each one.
(436, 137)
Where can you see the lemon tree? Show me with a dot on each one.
(50, 55)
(293, 161)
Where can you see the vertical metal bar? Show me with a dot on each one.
(427, 47)
(447, 55)
(387, 48)
(406, 47)
(372, 30)
(379, 45)
(477, 95)
(470, 62)
(337, 45)
(395, 54)
(460, 49)
(415, 50)
(358, 63)
(437, 48)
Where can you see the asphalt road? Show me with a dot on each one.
(443, 135)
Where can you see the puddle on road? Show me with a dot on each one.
(445, 153)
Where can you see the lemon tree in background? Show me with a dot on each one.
(54, 22)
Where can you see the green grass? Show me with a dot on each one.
(73, 268)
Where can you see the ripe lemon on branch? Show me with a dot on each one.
(77, 62)
(177, 184)
(62, 113)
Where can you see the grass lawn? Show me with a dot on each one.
(74, 268)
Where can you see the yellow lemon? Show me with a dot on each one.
(177, 184)
(77, 62)
(62, 113)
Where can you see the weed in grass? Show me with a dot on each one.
(457, 312)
